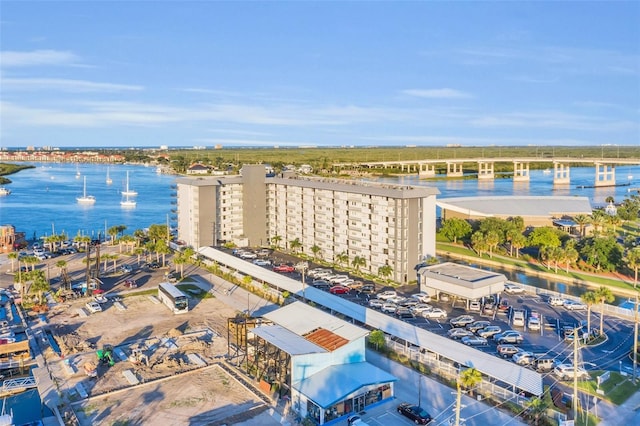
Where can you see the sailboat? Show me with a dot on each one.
(77, 172)
(127, 191)
(128, 202)
(109, 180)
(86, 199)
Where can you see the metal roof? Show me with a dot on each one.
(335, 383)
(461, 280)
(287, 340)
(526, 206)
(490, 365)
(303, 319)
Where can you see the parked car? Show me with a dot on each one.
(283, 268)
(458, 333)
(100, 299)
(543, 364)
(420, 308)
(93, 307)
(507, 351)
(387, 294)
(508, 336)
(355, 285)
(556, 301)
(356, 421)
(475, 306)
(248, 255)
(404, 313)
(154, 265)
(474, 341)
(376, 303)
(510, 288)
(568, 371)
(572, 305)
(518, 318)
(477, 325)
(389, 308)
(398, 300)
(489, 331)
(533, 323)
(488, 309)
(416, 414)
(444, 297)
(503, 306)
(130, 284)
(421, 297)
(523, 358)
(126, 269)
(461, 321)
(367, 289)
(339, 289)
(262, 262)
(435, 313)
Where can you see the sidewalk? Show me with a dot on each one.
(627, 413)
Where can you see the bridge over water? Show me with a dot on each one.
(605, 168)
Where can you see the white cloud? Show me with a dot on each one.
(64, 85)
(437, 93)
(36, 58)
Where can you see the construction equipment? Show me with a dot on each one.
(138, 357)
(105, 355)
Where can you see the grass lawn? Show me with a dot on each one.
(616, 389)
(452, 248)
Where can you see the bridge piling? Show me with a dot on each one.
(561, 174)
(605, 174)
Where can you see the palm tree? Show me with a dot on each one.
(633, 261)
(536, 407)
(275, 240)
(179, 260)
(30, 261)
(358, 262)
(570, 256)
(517, 242)
(315, 249)
(13, 256)
(582, 220)
(604, 295)
(615, 221)
(492, 239)
(40, 284)
(589, 298)
(295, 244)
(479, 243)
(385, 271)
(342, 258)
(468, 379)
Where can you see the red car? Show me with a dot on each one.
(339, 289)
(283, 268)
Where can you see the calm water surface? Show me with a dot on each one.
(43, 200)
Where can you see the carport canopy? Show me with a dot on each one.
(460, 281)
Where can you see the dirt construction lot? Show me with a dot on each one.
(177, 379)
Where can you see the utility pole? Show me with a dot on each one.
(635, 340)
(458, 402)
(575, 374)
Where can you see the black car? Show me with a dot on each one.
(417, 414)
(367, 289)
(154, 265)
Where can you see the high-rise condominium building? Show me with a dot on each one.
(335, 220)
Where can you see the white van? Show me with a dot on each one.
(518, 318)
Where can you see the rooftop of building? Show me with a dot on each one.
(525, 206)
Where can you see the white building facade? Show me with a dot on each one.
(379, 224)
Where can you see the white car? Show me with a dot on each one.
(248, 255)
(435, 313)
(94, 307)
(385, 295)
(100, 299)
(572, 305)
(389, 308)
(556, 301)
(567, 372)
(262, 262)
(420, 308)
(422, 297)
(523, 358)
(513, 289)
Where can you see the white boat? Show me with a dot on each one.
(128, 202)
(129, 192)
(109, 180)
(4, 191)
(77, 172)
(546, 172)
(86, 199)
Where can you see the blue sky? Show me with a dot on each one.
(207, 73)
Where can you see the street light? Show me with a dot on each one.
(302, 268)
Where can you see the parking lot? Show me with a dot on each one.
(546, 325)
